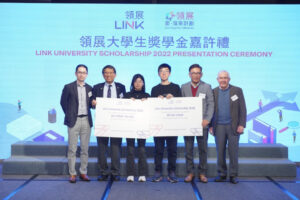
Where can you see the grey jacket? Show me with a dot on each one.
(238, 111)
(208, 101)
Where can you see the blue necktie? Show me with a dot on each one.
(109, 91)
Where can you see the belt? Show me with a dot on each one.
(80, 116)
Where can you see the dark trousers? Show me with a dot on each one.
(224, 133)
(159, 152)
(142, 162)
(189, 153)
(115, 147)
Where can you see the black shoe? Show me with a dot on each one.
(172, 178)
(157, 177)
(234, 180)
(102, 178)
(115, 178)
(220, 179)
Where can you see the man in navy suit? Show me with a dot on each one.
(108, 89)
(75, 102)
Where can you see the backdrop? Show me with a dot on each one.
(41, 44)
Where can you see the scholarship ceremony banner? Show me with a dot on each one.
(41, 44)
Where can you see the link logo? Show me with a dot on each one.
(134, 20)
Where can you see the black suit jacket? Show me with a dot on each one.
(238, 111)
(69, 103)
(98, 90)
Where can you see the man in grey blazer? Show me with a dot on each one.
(193, 89)
(227, 124)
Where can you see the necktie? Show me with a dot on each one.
(109, 91)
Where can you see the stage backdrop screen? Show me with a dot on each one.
(41, 44)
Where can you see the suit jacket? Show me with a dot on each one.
(99, 88)
(238, 111)
(208, 101)
(69, 103)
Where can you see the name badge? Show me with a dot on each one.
(202, 95)
(234, 97)
(90, 94)
(121, 95)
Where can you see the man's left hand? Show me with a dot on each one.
(205, 123)
(240, 129)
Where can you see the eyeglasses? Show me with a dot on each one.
(223, 78)
(164, 71)
(81, 72)
(109, 73)
(196, 73)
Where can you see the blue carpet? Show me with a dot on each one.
(49, 190)
(45, 187)
(293, 188)
(6, 187)
(242, 191)
(151, 191)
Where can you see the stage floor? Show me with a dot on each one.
(57, 187)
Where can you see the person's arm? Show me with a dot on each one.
(93, 99)
(209, 106)
(90, 97)
(127, 96)
(123, 90)
(210, 125)
(153, 92)
(178, 91)
(182, 91)
(242, 112)
(64, 99)
(146, 96)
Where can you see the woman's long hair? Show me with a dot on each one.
(136, 76)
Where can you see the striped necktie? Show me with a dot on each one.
(109, 91)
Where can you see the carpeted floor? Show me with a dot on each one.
(43, 187)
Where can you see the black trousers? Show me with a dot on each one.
(142, 162)
(159, 153)
(115, 147)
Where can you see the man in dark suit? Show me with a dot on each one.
(228, 123)
(108, 89)
(75, 102)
